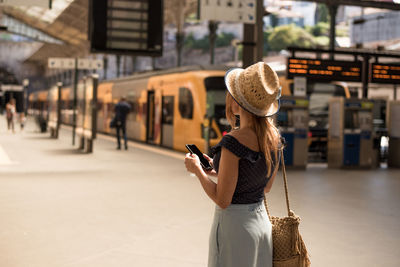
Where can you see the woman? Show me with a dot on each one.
(245, 165)
(10, 111)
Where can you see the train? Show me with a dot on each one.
(169, 107)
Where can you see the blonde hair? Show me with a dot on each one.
(267, 133)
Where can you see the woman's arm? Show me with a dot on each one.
(271, 181)
(222, 192)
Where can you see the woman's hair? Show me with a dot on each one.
(266, 131)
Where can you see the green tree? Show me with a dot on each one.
(321, 29)
(192, 43)
(322, 13)
(224, 39)
(266, 47)
(322, 41)
(289, 35)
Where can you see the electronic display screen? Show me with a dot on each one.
(351, 119)
(126, 27)
(385, 73)
(324, 70)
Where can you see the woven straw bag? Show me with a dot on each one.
(289, 249)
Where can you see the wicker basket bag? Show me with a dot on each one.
(289, 249)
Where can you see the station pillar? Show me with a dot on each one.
(332, 34)
(393, 126)
(253, 38)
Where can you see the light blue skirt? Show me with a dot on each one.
(241, 236)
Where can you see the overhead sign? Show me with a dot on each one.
(11, 87)
(300, 86)
(126, 27)
(69, 63)
(38, 3)
(61, 63)
(90, 64)
(385, 73)
(242, 11)
(324, 70)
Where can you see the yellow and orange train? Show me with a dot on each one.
(168, 107)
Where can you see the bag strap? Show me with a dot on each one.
(285, 184)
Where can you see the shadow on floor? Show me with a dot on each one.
(41, 137)
(67, 151)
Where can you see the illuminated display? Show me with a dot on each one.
(385, 73)
(324, 70)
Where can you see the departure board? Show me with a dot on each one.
(126, 27)
(385, 73)
(324, 70)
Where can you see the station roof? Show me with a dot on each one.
(44, 14)
(67, 21)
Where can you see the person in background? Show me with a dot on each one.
(10, 113)
(122, 109)
(245, 163)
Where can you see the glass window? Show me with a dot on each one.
(168, 110)
(185, 103)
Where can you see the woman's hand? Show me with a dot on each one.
(210, 172)
(192, 163)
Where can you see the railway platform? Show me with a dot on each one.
(62, 208)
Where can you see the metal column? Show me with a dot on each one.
(253, 38)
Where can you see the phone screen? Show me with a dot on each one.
(204, 162)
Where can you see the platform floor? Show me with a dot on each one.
(59, 207)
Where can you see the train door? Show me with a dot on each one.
(151, 106)
(167, 130)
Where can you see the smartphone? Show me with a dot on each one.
(203, 161)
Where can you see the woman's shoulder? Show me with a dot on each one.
(246, 137)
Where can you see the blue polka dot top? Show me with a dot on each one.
(252, 174)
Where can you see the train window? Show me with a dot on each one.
(168, 110)
(215, 83)
(185, 103)
(99, 106)
(132, 112)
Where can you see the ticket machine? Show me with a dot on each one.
(292, 120)
(350, 133)
(393, 126)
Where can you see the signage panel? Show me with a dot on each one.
(324, 70)
(69, 63)
(90, 64)
(385, 73)
(126, 27)
(241, 11)
(61, 63)
(37, 3)
(300, 86)
(11, 87)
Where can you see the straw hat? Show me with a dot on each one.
(256, 89)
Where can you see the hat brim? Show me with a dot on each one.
(230, 79)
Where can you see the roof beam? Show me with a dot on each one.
(363, 3)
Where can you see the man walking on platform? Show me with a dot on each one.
(122, 109)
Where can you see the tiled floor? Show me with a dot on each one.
(59, 207)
